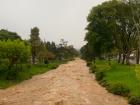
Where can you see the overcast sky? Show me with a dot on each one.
(56, 19)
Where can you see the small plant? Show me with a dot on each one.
(119, 89)
(100, 75)
(89, 63)
(104, 83)
(52, 66)
(134, 100)
(28, 66)
(12, 74)
(93, 68)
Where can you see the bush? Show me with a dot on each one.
(3, 67)
(52, 66)
(12, 75)
(3, 64)
(28, 66)
(93, 68)
(134, 100)
(99, 75)
(89, 63)
(104, 83)
(119, 89)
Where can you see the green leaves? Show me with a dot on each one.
(15, 51)
(35, 43)
(111, 26)
(5, 35)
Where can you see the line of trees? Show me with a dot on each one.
(16, 52)
(44, 51)
(113, 30)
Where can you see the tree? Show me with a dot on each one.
(14, 51)
(86, 54)
(111, 26)
(44, 54)
(135, 7)
(51, 46)
(5, 35)
(99, 36)
(35, 43)
(63, 43)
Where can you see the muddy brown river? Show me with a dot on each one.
(69, 84)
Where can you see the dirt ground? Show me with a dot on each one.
(69, 84)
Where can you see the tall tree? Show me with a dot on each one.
(135, 6)
(110, 27)
(35, 43)
(99, 36)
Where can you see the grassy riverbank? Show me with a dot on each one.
(119, 79)
(27, 72)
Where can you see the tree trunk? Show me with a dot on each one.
(33, 59)
(94, 62)
(137, 56)
(11, 63)
(119, 59)
(127, 58)
(33, 55)
(109, 60)
(123, 60)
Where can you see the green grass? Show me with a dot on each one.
(26, 73)
(127, 75)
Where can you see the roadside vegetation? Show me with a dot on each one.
(113, 47)
(25, 73)
(118, 79)
(21, 59)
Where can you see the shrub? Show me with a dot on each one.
(134, 100)
(89, 63)
(52, 66)
(3, 64)
(13, 53)
(104, 83)
(3, 67)
(99, 75)
(119, 89)
(12, 75)
(92, 68)
(28, 66)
